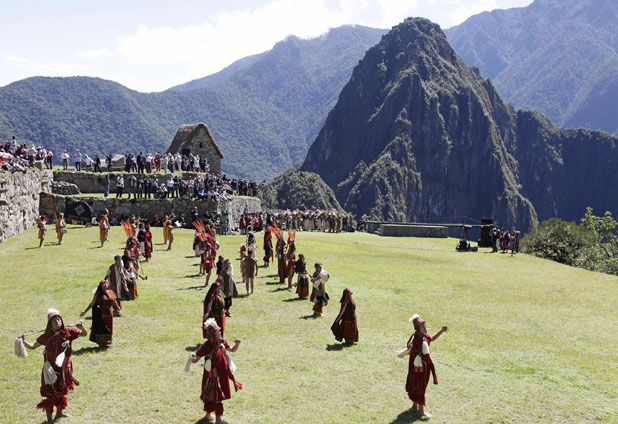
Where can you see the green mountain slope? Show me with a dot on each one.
(559, 57)
(267, 107)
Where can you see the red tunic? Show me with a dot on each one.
(54, 346)
(217, 311)
(216, 382)
(418, 378)
(281, 264)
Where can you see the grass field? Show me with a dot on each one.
(529, 340)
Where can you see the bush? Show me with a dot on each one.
(560, 241)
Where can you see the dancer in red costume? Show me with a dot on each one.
(214, 307)
(268, 247)
(218, 370)
(302, 283)
(420, 364)
(345, 326)
(57, 340)
(290, 257)
(103, 306)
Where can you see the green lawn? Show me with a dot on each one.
(529, 340)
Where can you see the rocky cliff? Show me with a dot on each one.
(416, 135)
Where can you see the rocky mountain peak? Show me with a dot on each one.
(416, 135)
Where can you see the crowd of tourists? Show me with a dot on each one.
(16, 156)
(200, 186)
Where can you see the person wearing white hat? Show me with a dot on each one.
(57, 380)
(420, 364)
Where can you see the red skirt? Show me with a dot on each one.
(349, 331)
(302, 288)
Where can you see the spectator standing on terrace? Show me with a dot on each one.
(132, 186)
(119, 186)
(48, 159)
(78, 160)
(166, 160)
(97, 163)
(88, 162)
(140, 163)
(30, 155)
(105, 183)
(65, 160)
(108, 162)
(149, 160)
(170, 187)
(157, 162)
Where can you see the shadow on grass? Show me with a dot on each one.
(336, 346)
(408, 416)
(192, 275)
(279, 289)
(312, 316)
(272, 283)
(190, 257)
(37, 247)
(294, 299)
(240, 296)
(193, 348)
(193, 288)
(90, 349)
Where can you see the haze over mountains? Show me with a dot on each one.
(267, 107)
(559, 57)
(417, 135)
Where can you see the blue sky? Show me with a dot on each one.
(151, 45)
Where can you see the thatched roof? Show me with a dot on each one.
(186, 132)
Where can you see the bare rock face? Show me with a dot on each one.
(416, 135)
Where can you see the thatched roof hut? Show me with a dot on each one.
(197, 139)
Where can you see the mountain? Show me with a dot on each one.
(263, 110)
(416, 135)
(559, 57)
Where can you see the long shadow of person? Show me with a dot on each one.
(90, 349)
(408, 416)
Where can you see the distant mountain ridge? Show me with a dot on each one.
(417, 135)
(268, 107)
(559, 57)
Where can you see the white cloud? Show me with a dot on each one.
(47, 68)
(225, 37)
(96, 53)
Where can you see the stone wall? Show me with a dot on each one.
(19, 200)
(147, 208)
(402, 230)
